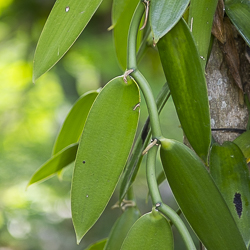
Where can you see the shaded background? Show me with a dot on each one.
(31, 116)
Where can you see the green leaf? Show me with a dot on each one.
(164, 15)
(201, 16)
(121, 227)
(133, 164)
(73, 125)
(199, 198)
(99, 245)
(239, 13)
(103, 151)
(121, 29)
(65, 23)
(230, 172)
(118, 8)
(58, 161)
(243, 142)
(187, 83)
(151, 231)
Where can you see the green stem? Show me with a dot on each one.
(141, 81)
(160, 206)
(151, 104)
(130, 194)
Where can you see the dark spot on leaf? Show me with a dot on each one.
(145, 131)
(238, 204)
(84, 162)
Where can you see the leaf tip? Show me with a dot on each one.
(78, 238)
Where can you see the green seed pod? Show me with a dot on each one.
(151, 231)
(121, 227)
(199, 198)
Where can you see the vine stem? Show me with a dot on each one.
(160, 206)
(136, 74)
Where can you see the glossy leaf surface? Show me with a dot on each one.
(73, 125)
(121, 227)
(199, 198)
(239, 13)
(120, 31)
(230, 172)
(186, 80)
(133, 164)
(201, 15)
(65, 23)
(164, 15)
(103, 150)
(99, 245)
(151, 231)
(58, 161)
(243, 142)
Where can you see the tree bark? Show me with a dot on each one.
(225, 98)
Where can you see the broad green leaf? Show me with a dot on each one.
(243, 142)
(230, 172)
(121, 29)
(187, 83)
(239, 13)
(99, 245)
(133, 164)
(103, 151)
(121, 227)
(65, 23)
(164, 15)
(199, 198)
(201, 16)
(58, 161)
(118, 8)
(151, 231)
(73, 125)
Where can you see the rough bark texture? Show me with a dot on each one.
(225, 98)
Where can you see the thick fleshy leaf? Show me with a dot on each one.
(230, 172)
(239, 13)
(121, 29)
(121, 227)
(164, 15)
(201, 16)
(186, 80)
(243, 142)
(151, 231)
(118, 7)
(58, 161)
(199, 198)
(133, 164)
(65, 23)
(103, 151)
(73, 125)
(99, 245)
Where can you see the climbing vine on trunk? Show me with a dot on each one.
(209, 181)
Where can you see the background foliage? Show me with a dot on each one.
(31, 115)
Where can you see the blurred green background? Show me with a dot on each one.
(30, 118)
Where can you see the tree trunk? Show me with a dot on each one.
(225, 98)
